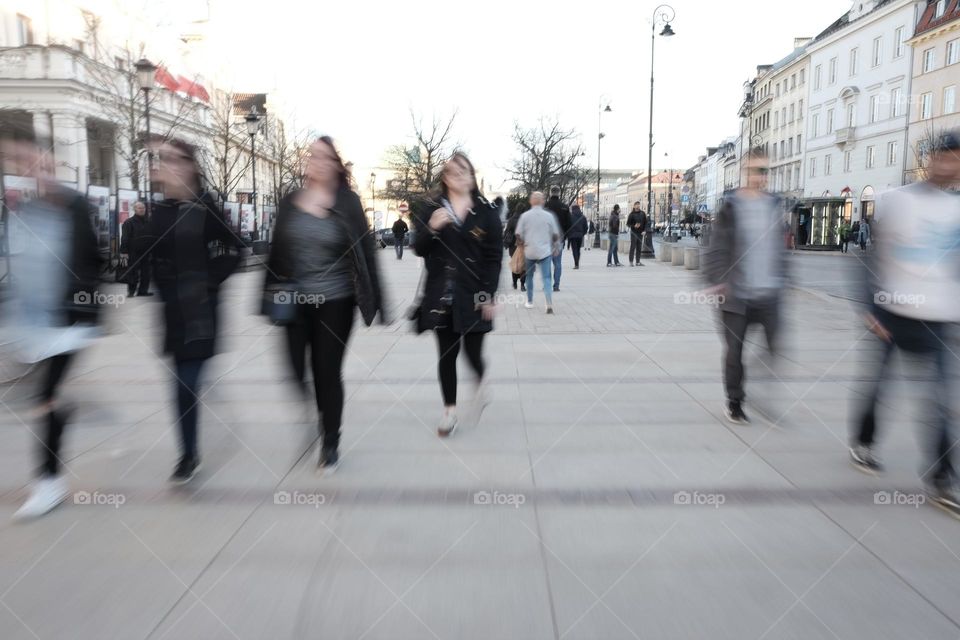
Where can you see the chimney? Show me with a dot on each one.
(801, 42)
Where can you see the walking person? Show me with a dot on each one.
(540, 234)
(193, 251)
(578, 229)
(400, 230)
(863, 235)
(57, 306)
(322, 266)
(637, 224)
(745, 264)
(913, 299)
(510, 242)
(588, 239)
(459, 235)
(562, 212)
(138, 265)
(844, 234)
(613, 231)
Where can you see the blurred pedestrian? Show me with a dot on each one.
(578, 229)
(863, 235)
(745, 264)
(57, 304)
(613, 232)
(913, 297)
(637, 224)
(562, 212)
(591, 230)
(540, 234)
(510, 242)
(400, 230)
(322, 266)
(137, 274)
(844, 237)
(458, 233)
(193, 251)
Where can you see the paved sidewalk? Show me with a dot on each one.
(600, 496)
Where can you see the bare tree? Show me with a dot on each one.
(289, 153)
(417, 167)
(921, 150)
(224, 161)
(549, 155)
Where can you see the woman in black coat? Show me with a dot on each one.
(193, 251)
(510, 242)
(459, 236)
(322, 265)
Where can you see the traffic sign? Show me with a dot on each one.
(702, 208)
(685, 198)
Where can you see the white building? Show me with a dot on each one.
(785, 155)
(858, 101)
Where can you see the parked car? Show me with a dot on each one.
(386, 238)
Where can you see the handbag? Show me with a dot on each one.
(279, 303)
(518, 261)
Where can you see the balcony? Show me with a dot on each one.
(845, 135)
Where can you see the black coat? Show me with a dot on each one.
(133, 227)
(463, 263)
(400, 229)
(637, 217)
(613, 224)
(82, 266)
(348, 211)
(562, 212)
(578, 226)
(193, 250)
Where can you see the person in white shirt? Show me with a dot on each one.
(540, 234)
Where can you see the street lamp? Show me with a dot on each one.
(254, 121)
(146, 75)
(601, 109)
(373, 194)
(663, 14)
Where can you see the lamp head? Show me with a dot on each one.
(667, 30)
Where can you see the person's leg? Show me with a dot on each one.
(557, 269)
(297, 340)
(938, 469)
(188, 400)
(333, 322)
(56, 420)
(734, 331)
(575, 246)
(473, 345)
(144, 287)
(633, 248)
(610, 249)
(448, 348)
(616, 250)
(545, 275)
(530, 266)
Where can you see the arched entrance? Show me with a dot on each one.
(867, 200)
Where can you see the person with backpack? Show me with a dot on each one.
(510, 243)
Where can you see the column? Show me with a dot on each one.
(70, 148)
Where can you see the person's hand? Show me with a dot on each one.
(876, 328)
(488, 311)
(439, 219)
(716, 290)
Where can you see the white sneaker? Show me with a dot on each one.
(528, 305)
(448, 424)
(481, 398)
(45, 495)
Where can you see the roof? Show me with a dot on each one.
(845, 20)
(928, 22)
(243, 102)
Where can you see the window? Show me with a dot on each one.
(827, 164)
(929, 59)
(24, 29)
(813, 167)
(877, 52)
(793, 82)
(893, 153)
(78, 45)
(803, 76)
(847, 155)
(926, 106)
(953, 51)
(778, 90)
(832, 74)
(790, 147)
(800, 109)
(896, 98)
(799, 148)
(950, 99)
(853, 61)
(829, 120)
(874, 108)
(815, 125)
(783, 148)
(817, 76)
(851, 115)
(776, 119)
(941, 5)
(774, 151)
(871, 156)
(898, 42)
(793, 112)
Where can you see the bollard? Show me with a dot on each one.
(691, 258)
(664, 252)
(676, 255)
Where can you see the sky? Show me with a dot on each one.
(355, 69)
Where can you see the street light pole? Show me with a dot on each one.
(663, 13)
(600, 136)
(253, 125)
(146, 75)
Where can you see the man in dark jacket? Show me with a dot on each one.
(637, 223)
(562, 213)
(400, 230)
(613, 230)
(138, 264)
(578, 229)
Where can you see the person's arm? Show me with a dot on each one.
(492, 253)
(424, 238)
(716, 257)
(369, 254)
(125, 238)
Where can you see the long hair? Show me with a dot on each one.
(343, 173)
(462, 157)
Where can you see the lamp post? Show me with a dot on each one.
(373, 193)
(662, 14)
(146, 74)
(601, 109)
(254, 121)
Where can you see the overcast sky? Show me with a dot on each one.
(354, 69)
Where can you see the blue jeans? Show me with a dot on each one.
(545, 275)
(398, 247)
(612, 254)
(557, 268)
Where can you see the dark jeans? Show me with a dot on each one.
(138, 275)
(398, 247)
(448, 345)
(518, 277)
(576, 244)
(56, 419)
(325, 328)
(612, 252)
(188, 400)
(844, 244)
(927, 342)
(735, 327)
(636, 246)
(557, 268)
